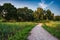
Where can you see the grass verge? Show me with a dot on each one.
(15, 31)
(53, 28)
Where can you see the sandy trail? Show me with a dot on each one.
(38, 33)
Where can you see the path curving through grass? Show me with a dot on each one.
(38, 33)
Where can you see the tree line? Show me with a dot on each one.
(10, 13)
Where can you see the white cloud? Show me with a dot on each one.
(43, 5)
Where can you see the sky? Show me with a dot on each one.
(53, 5)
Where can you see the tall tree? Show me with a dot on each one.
(10, 11)
(25, 14)
(49, 15)
(1, 8)
(38, 15)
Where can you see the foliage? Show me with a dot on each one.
(25, 14)
(10, 13)
(49, 15)
(57, 18)
(38, 15)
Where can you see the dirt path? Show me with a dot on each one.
(38, 33)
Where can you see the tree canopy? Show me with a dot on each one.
(9, 12)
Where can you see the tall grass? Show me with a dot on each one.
(15, 31)
(53, 28)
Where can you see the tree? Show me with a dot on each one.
(38, 15)
(10, 11)
(49, 15)
(1, 8)
(25, 14)
(57, 18)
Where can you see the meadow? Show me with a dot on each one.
(20, 30)
(15, 30)
(53, 27)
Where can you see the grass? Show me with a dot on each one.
(53, 27)
(15, 31)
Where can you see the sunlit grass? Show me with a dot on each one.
(53, 27)
(15, 30)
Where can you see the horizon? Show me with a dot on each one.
(53, 5)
